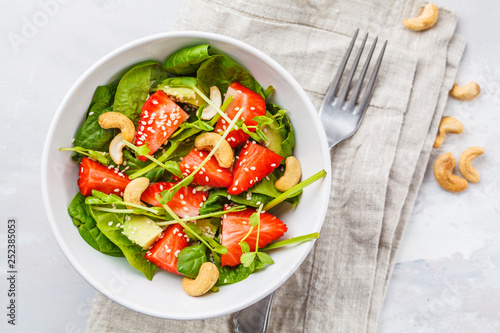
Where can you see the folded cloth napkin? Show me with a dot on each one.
(376, 173)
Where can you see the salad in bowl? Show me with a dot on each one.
(187, 171)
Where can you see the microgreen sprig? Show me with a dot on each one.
(161, 159)
(143, 151)
(214, 250)
(205, 216)
(186, 181)
(295, 190)
(249, 258)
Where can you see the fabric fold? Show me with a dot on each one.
(376, 173)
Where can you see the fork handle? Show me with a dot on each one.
(255, 318)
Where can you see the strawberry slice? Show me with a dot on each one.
(160, 117)
(236, 225)
(95, 176)
(165, 251)
(254, 105)
(211, 174)
(254, 163)
(185, 203)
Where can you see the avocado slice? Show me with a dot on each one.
(142, 230)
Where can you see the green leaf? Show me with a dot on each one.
(83, 220)
(245, 248)
(134, 87)
(218, 197)
(265, 258)
(99, 156)
(134, 164)
(254, 219)
(230, 275)
(91, 135)
(221, 71)
(193, 228)
(190, 260)
(247, 258)
(107, 223)
(186, 61)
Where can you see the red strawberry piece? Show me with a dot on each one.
(185, 203)
(95, 176)
(211, 174)
(236, 225)
(254, 105)
(165, 251)
(160, 117)
(254, 163)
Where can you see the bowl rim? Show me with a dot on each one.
(325, 152)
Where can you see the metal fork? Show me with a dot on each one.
(340, 118)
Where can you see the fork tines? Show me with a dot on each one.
(342, 95)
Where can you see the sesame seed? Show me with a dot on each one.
(169, 250)
(223, 121)
(110, 223)
(234, 188)
(183, 202)
(236, 182)
(175, 231)
(91, 113)
(201, 204)
(201, 172)
(252, 168)
(219, 130)
(181, 196)
(252, 108)
(246, 169)
(239, 91)
(194, 191)
(155, 102)
(258, 203)
(219, 170)
(117, 190)
(251, 181)
(104, 180)
(201, 154)
(237, 108)
(144, 123)
(273, 165)
(229, 197)
(139, 142)
(206, 178)
(185, 208)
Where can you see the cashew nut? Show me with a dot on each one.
(118, 120)
(425, 20)
(464, 163)
(115, 149)
(443, 168)
(447, 125)
(466, 93)
(224, 153)
(209, 112)
(291, 176)
(133, 191)
(206, 279)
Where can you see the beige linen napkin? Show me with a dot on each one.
(376, 174)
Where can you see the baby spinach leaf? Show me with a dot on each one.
(83, 220)
(134, 87)
(217, 197)
(190, 260)
(91, 135)
(109, 224)
(221, 71)
(285, 127)
(230, 275)
(134, 164)
(187, 60)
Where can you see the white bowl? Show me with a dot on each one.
(164, 297)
